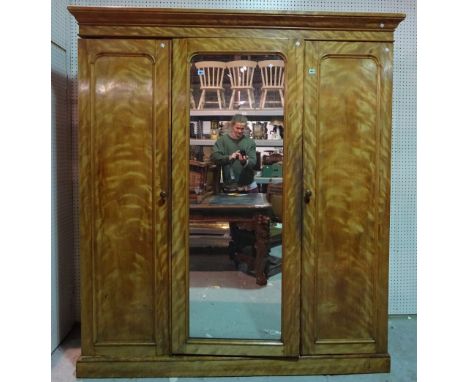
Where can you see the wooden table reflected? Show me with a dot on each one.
(252, 209)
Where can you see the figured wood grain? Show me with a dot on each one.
(385, 54)
(194, 366)
(162, 184)
(309, 241)
(119, 178)
(342, 226)
(238, 19)
(178, 32)
(123, 197)
(291, 228)
(292, 203)
(335, 249)
(180, 196)
(346, 199)
(86, 212)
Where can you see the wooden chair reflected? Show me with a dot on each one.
(211, 74)
(241, 75)
(272, 80)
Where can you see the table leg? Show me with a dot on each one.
(262, 233)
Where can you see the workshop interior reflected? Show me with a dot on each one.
(236, 191)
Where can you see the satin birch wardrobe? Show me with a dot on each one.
(134, 116)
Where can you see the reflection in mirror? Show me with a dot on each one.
(236, 184)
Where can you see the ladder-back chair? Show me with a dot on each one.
(211, 75)
(241, 75)
(272, 79)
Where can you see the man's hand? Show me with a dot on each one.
(235, 155)
(243, 158)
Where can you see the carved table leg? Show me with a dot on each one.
(262, 233)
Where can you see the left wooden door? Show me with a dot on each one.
(123, 137)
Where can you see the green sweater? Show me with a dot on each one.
(233, 171)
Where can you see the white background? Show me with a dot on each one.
(25, 147)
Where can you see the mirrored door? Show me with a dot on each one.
(236, 249)
(235, 196)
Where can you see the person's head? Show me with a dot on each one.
(238, 124)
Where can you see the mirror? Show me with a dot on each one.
(236, 159)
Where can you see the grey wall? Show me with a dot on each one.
(62, 249)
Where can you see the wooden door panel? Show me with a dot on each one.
(123, 185)
(122, 129)
(346, 198)
(343, 255)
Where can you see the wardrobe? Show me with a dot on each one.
(134, 100)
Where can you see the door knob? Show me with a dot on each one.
(307, 196)
(163, 194)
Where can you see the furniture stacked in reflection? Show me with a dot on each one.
(245, 226)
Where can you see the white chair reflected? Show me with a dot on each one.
(241, 75)
(272, 80)
(211, 75)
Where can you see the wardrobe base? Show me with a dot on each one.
(197, 366)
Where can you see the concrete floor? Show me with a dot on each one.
(221, 293)
(401, 344)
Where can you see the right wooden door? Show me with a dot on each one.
(346, 190)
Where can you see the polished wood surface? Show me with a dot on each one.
(347, 128)
(123, 170)
(181, 343)
(180, 197)
(179, 23)
(235, 366)
(134, 31)
(134, 102)
(239, 19)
